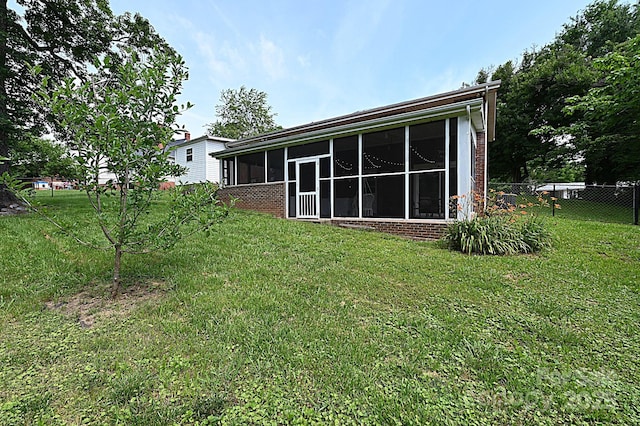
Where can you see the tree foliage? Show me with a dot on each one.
(38, 157)
(536, 138)
(120, 119)
(61, 38)
(242, 113)
(610, 115)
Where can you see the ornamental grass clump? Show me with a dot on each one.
(500, 228)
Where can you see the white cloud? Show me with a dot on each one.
(272, 58)
(223, 60)
(446, 81)
(304, 61)
(358, 25)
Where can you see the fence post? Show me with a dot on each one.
(553, 202)
(636, 203)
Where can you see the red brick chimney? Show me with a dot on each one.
(187, 136)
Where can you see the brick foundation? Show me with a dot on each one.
(270, 198)
(412, 229)
(266, 197)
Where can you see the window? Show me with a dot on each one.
(345, 156)
(275, 165)
(228, 171)
(308, 150)
(251, 168)
(383, 196)
(189, 154)
(383, 152)
(426, 145)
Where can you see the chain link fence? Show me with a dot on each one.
(604, 203)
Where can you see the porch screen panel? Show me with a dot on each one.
(345, 197)
(228, 172)
(383, 196)
(308, 150)
(426, 195)
(325, 167)
(345, 156)
(383, 152)
(292, 170)
(427, 146)
(292, 199)
(453, 166)
(251, 168)
(325, 198)
(307, 177)
(275, 165)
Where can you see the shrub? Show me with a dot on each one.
(499, 229)
(535, 233)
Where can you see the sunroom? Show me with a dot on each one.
(394, 168)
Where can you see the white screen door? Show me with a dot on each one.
(307, 189)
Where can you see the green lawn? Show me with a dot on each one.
(589, 210)
(269, 321)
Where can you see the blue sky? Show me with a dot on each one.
(320, 59)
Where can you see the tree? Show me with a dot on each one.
(608, 117)
(600, 27)
(243, 113)
(536, 98)
(121, 118)
(535, 138)
(34, 157)
(61, 38)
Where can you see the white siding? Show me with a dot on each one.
(213, 164)
(203, 167)
(464, 163)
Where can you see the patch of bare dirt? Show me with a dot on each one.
(93, 305)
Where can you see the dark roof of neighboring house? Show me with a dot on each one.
(487, 91)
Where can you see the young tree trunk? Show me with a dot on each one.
(115, 287)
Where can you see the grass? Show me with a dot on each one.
(575, 209)
(269, 321)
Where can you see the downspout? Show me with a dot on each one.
(486, 145)
(468, 208)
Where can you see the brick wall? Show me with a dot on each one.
(480, 166)
(421, 230)
(264, 197)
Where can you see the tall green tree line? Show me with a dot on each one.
(564, 108)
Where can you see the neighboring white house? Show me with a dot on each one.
(194, 154)
(41, 184)
(563, 190)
